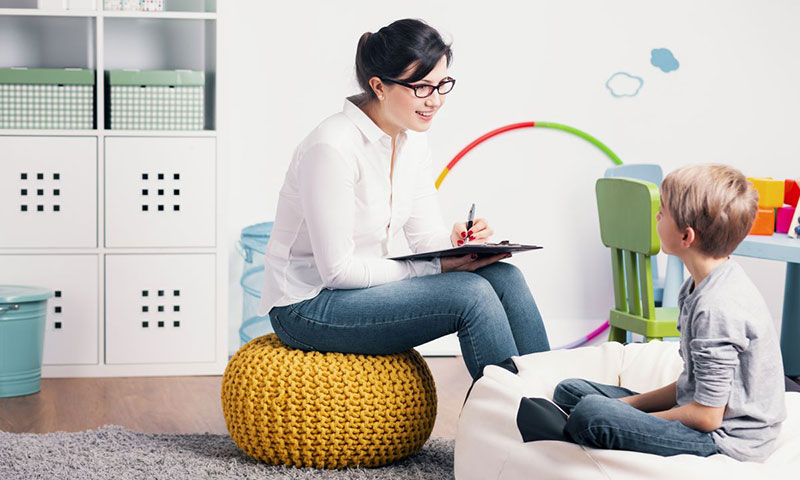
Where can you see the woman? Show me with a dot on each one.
(358, 181)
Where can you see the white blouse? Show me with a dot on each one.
(339, 215)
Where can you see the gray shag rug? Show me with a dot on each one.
(115, 452)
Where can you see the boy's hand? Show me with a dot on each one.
(654, 401)
(696, 416)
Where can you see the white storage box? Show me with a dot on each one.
(152, 5)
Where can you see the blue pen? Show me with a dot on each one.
(469, 221)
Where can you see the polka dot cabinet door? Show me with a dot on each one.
(160, 192)
(48, 192)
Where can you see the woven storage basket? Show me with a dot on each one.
(156, 100)
(47, 98)
(327, 410)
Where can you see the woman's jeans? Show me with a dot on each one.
(597, 419)
(492, 310)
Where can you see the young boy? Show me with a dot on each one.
(729, 397)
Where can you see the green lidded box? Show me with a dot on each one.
(155, 99)
(23, 311)
(47, 98)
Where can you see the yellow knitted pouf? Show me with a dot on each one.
(327, 410)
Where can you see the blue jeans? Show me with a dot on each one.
(597, 419)
(492, 310)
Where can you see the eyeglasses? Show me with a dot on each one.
(425, 91)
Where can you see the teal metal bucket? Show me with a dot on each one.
(252, 246)
(23, 311)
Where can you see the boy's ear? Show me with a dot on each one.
(689, 237)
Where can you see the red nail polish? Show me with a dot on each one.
(470, 232)
(472, 238)
(461, 242)
(463, 234)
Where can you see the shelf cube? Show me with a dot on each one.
(48, 192)
(160, 308)
(156, 99)
(47, 98)
(160, 192)
(71, 328)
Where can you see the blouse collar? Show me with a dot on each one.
(369, 128)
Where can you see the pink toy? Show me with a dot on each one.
(783, 219)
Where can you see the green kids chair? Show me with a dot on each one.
(627, 210)
(665, 289)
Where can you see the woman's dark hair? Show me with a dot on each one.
(392, 49)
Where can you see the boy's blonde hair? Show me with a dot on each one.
(717, 201)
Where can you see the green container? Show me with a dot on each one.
(22, 317)
(155, 99)
(47, 98)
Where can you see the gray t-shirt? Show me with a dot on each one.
(732, 357)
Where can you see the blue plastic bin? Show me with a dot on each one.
(23, 311)
(252, 245)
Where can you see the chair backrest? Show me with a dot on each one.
(649, 172)
(627, 209)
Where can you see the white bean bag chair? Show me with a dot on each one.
(489, 444)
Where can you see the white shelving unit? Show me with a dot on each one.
(129, 232)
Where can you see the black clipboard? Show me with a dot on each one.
(482, 249)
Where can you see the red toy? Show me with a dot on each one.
(791, 192)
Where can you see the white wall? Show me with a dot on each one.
(284, 66)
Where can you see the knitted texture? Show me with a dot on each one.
(327, 410)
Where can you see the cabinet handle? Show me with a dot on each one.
(9, 309)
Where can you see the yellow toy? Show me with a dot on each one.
(770, 192)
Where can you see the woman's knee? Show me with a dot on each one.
(473, 288)
(502, 271)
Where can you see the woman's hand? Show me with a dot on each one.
(479, 233)
(469, 263)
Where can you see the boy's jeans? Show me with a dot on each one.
(597, 419)
(492, 310)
